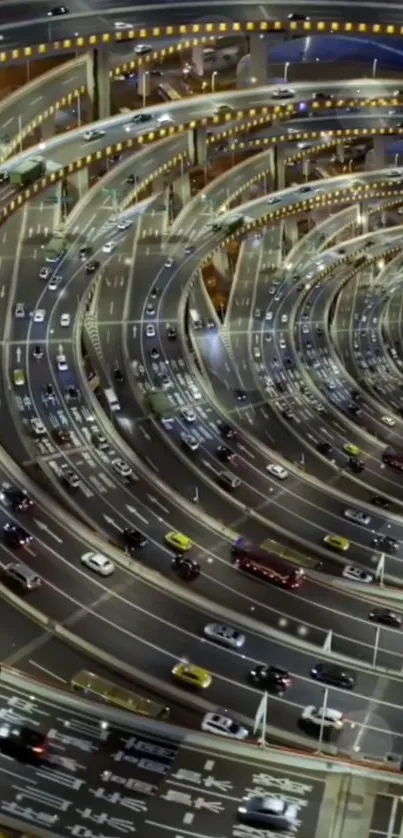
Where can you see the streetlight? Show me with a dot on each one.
(213, 78)
(323, 718)
(286, 66)
(376, 645)
(144, 87)
(374, 66)
(20, 130)
(195, 494)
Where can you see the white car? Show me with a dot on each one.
(305, 329)
(109, 247)
(93, 134)
(169, 262)
(44, 273)
(283, 93)
(257, 353)
(284, 318)
(388, 421)
(318, 716)
(37, 426)
(120, 24)
(19, 310)
(269, 315)
(357, 516)
(277, 471)
(98, 563)
(143, 49)
(54, 283)
(122, 468)
(124, 224)
(39, 315)
(190, 442)
(150, 330)
(195, 392)
(65, 320)
(188, 414)
(223, 726)
(357, 574)
(61, 362)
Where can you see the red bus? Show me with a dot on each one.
(266, 565)
(393, 457)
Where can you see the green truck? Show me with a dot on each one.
(160, 405)
(56, 249)
(229, 225)
(27, 172)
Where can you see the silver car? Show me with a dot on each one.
(269, 813)
(225, 635)
(357, 516)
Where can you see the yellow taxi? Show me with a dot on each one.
(19, 378)
(191, 675)
(352, 450)
(337, 542)
(181, 543)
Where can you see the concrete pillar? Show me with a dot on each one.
(159, 184)
(291, 231)
(221, 262)
(101, 83)
(197, 146)
(362, 219)
(80, 182)
(198, 60)
(48, 127)
(340, 152)
(279, 167)
(379, 152)
(182, 188)
(143, 84)
(258, 59)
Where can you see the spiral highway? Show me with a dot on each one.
(228, 249)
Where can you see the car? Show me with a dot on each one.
(169, 262)
(85, 252)
(45, 273)
(150, 330)
(277, 471)
(385, 543)
(191, 675)
(68, 476)
(150, 310)
(223, 108)
(380, 501)
(385, 617)
(65, 320)
(21, 742)
(284, 318)
(336, 676)
(356, 465)
(224, 635)
(19, 378)
(190, 442)
(118, 375)
(122, 469)
(282, 93)
(195, 392)
(357, 516)
(188, 414)
(137, 119)
(351, 449)
(93, 134)
(270, 678)
(109, 246)
(124, 224)
(240, 395)
(180, 542)
(57, 11)
(188, 569)
(223, 725)
(268, 813)
(19, 310)
(226, 430)
(54, 282)
(61, 362)
(324, 448)
(39, 315)
(92, 266)
(171, 333)
(298, 16)
(98, 563)
(321, 721)
(133, 540)
(15, 536)
(337, 542)
(37, 427)
(154, 354)
(224, 454)
(99, 440)
(17, 499)
(61, 435)
(143, 49)
(49, 392)
(357, 574)
(388, 421)
(72, 394)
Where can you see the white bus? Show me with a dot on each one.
(112, 399)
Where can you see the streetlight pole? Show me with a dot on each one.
(376, 645)
(286, 66)
(374, 66)
(196, 494)
(144, 88)
(79, 110)
(213, 78)
(323, 718)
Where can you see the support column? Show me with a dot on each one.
(362, 219)
(101, 83)
(198, 60)
(143, 85)
(80, 182)
(48, 127)
(258, 59)
(279, 167)
(340, 152)
(197, 146)
(181, 188)
(291, 231)
(375, 158)
(221, 262)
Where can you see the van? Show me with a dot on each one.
(228, 480)
(19, 575)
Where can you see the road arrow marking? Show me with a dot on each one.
(44, 527)
(112, 522)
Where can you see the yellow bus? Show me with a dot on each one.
(93, 686)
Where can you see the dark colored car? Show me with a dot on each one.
(118, 375)
(171, 333)
(240, 395)
(386, 543)
(22, 742)
(186, 568)
(226, 430)
(72, 394)
(224, 454)
(324, 448)
(330, 673)
(385, 617)
(356, 465)
(378, 500)
(92, 266)
(15, 536)
(270, 678)
(49, 391)
(85, 251)
(61, 436)
(17, 499)
(133, 540)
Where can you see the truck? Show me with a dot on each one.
(56, 249)
(229, 225)
(160, 405)
(27, 172)
(112, 399)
